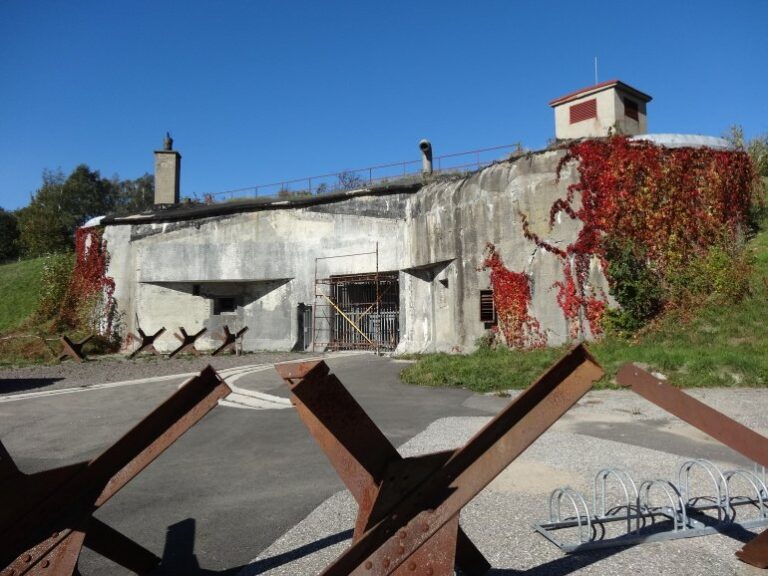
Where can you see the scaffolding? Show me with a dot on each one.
(356, 311)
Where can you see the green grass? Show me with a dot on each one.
(719, 346)
(19, 288)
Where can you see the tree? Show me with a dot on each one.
(349, 180)
(62, 204)
(134, 196)
(9, 236)
(85, 194)
(43, 224)
(59, 206)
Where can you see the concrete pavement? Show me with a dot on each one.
(247, 490)
(230, 486)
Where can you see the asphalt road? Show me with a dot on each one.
(243, 482)
(232, 484)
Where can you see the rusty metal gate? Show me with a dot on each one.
(372, 303)
(357, 312)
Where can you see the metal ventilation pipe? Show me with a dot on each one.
(426, 157)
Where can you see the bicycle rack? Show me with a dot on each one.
(683, 514)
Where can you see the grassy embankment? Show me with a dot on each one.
(19, 291)
(719, 346)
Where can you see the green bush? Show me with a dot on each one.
(635, 287)
(54, 282)
(720, 275)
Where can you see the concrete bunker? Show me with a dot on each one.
(397, 264)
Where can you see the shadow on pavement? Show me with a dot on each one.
(286, 557)
(179, 554)
(8, 385)
(562, 566)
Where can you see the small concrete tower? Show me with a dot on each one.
(599, 110)
(167, 172)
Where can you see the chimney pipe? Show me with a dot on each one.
(426, 157)
(167, 173)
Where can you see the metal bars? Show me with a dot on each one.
(716, 424)
(356, 311)
(45, 518)
(409, 508)
(633, 519)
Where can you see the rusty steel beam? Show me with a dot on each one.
(46, 518)
(409, 508)
(147, 342)
(229, 339)
(74, 350)
(187, 341)
(736, 436)
(755, 552)
(357, 449)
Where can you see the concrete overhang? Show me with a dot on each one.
(436, 264)
(218, 281)
(685, 141)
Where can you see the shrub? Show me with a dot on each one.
(54, 281)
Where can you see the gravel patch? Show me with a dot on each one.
(499, 519)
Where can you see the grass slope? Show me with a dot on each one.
(720, 346)
(19, 288)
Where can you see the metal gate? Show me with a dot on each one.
(360, 311)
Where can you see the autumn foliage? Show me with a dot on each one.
(659, 210)
(512, 298)
(89, 303)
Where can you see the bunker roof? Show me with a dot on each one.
(617, 84)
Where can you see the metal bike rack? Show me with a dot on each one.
(682, 513)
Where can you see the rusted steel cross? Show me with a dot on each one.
(408, 519)
(46, 518)
(74, 350)
(229, 339)
(187, 342)
(713, 423)
(147, 342)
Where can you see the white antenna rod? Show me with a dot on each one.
(595, 70)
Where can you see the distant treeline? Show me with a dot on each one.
(62, 204)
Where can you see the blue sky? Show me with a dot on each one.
(256, 91)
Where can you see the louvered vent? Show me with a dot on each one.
(583, 111)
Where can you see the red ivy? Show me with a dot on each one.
(668, 203)
(661, 199)
(89, 281)
(512, 298)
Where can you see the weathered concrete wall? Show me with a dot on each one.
(170, 274)
(266, 258)
(454, 222)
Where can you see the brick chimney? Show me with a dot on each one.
(167, 172)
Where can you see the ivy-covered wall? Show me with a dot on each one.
(562, 237)
(649, 215)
